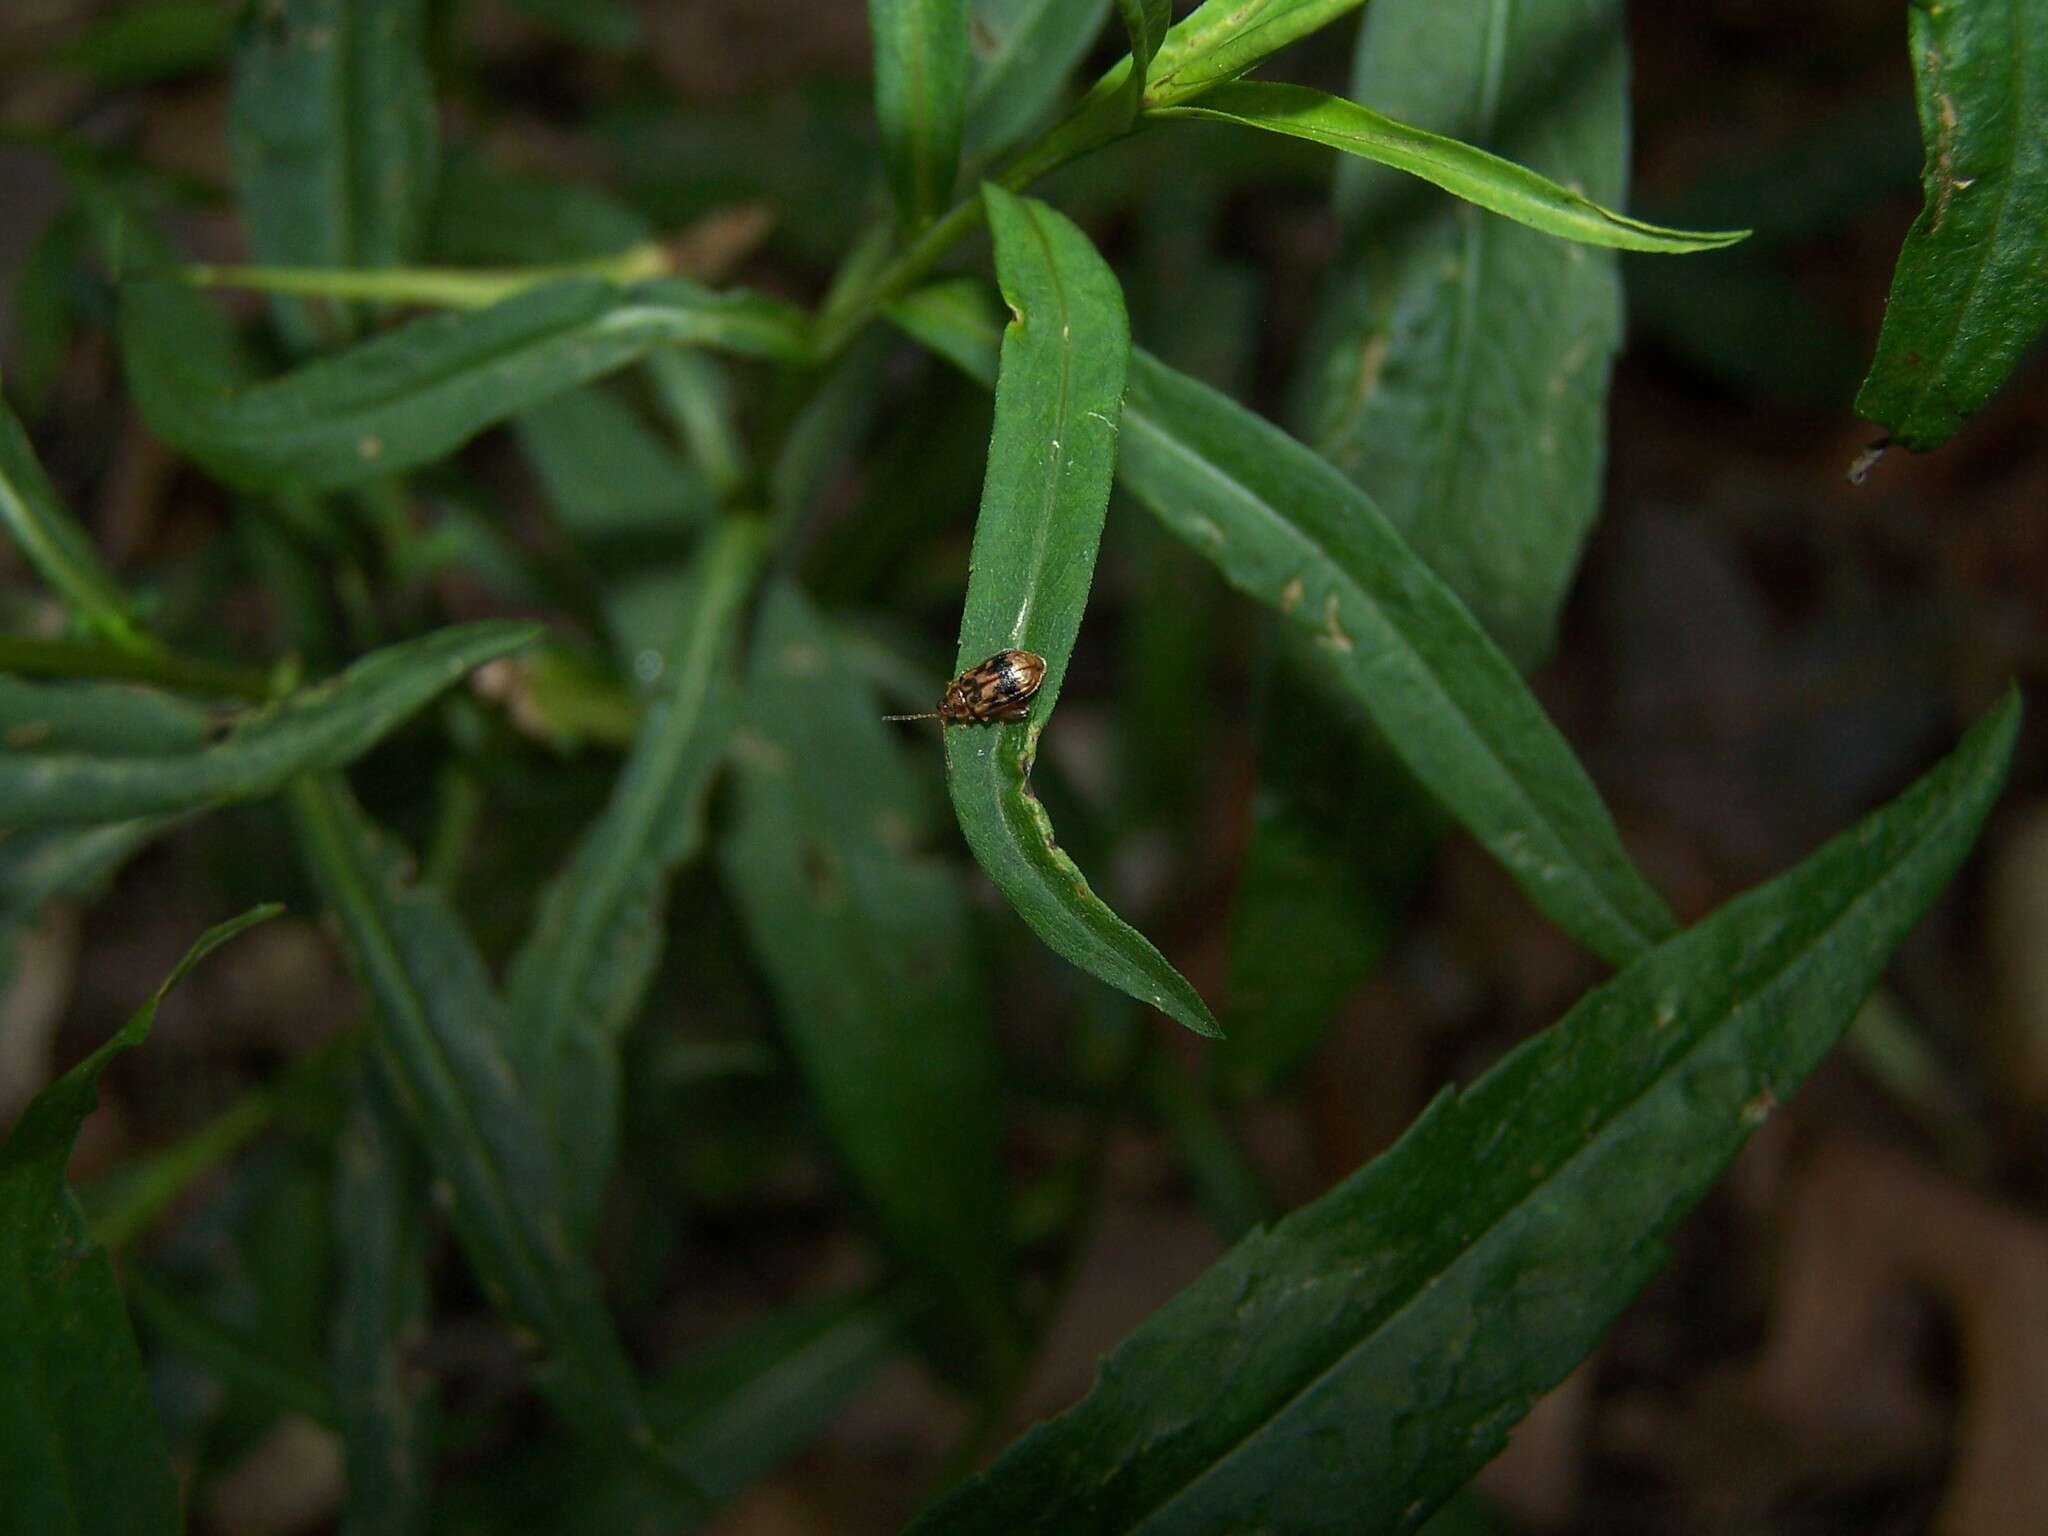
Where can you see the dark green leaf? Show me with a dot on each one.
(232, 1356)
(424, 389)
(440, 1039)
(1352, 1367)
(334, 137)
(1461, 375)
(80, 1449)
(51, 540)
(75, 757)
(486, 217)
(1971, 288)
(1287, 529)
(1341, 836)
(1024, 51)
(597, 933)
(1501, 186)
(920, 98)
(1058, 394)
(866, 944)
(382, 1235)
(150, 42)
(631, 507)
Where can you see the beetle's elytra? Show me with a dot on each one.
(996, 691)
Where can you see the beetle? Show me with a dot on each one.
(993, 691)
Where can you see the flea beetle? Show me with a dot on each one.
(990, 692)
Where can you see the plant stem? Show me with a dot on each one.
(184, 674)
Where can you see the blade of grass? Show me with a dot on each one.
(1971, 288)
(80, 1447)
(580, 978)
(1352, 1367)
(1499, 186)
(76, 758)
(1058, 394)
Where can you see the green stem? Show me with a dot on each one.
(445, 287)
(183, 674)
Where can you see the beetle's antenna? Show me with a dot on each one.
(923, 714)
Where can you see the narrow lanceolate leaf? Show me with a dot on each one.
(51, 540)
(630, 506)
(334, 137)
(865, 941)
(72, 757)
(1222, 39)
(80, 1449)
(1058, 394)
(920, 98)
(1971, 287)
(596, 940)
(1284, 527)
(382, 1236)
(1023, 53)
(1352, 1367)
(440, 1035)
(1501, 186)
(1461, 369)
(424, 389)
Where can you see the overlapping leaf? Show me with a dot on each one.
(920, 98)
(1350, 1368)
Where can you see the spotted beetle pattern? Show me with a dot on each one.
(996, 691)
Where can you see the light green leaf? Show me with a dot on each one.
(1024, 52)
(1501, 186)
(440, 1040)
(1058, 395)
(418, 392)
(580, 978)
(695, 390)
(920, 98)
(1284, 527)
(1145, 25)
(865, 942)
(335, 140)
(1971, 288)
(51, 540)
(1460, 371)
(75, 754)
(80, 1448)
(1222, 39)
(1351, 1368)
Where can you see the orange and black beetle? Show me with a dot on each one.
(991, 692)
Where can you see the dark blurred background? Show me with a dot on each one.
(1850, 1335)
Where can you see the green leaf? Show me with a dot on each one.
(51, 540)
(1222, 39)
(422, 390)
(1058, 395)
(484, 217)
(1352, 1367)
(236, 1357)
(80, 1448)
(1024, 52)
(1971, 287)
(149, 42)
(920, 98)
(866, 944)
(1284, 527)
(440, 1040)
(335, 140)
(629, 504)
(695, 390)
(1462, 366)
(578, 982)
(382, 1236)
(1501, 186)
(1341, 836)
(74, 753)
(1145, 25)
